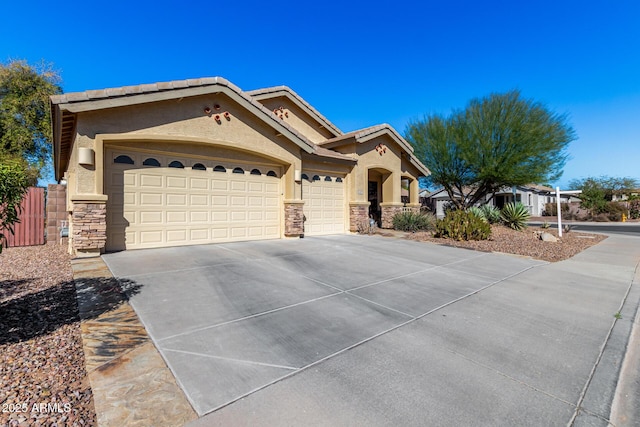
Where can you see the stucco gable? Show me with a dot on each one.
(67, 106)
(367, 134)
(286, 93)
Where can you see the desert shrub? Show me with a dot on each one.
(634, 209)
(462, 225)
(614, 211)
(551, 209)
(515, 215)
(413, 221)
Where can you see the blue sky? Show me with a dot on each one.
(362, 63)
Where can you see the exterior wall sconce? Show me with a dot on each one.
(297, 175)
(86, 156)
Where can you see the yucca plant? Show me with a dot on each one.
(515, 215)
(413, 221)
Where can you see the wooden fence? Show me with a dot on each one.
(30, 230)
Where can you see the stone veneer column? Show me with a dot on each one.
(388, 212)
(89, 227)
(358, 215)
(293, 218)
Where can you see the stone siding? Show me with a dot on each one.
(358, 217)
(56, 212)
(293, 219)
(89, 226)
(388, 212)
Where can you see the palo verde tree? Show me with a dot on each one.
(498, 141)
(597, 192)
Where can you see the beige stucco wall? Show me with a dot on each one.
(298, 119)
(391, 161)
(180, 125)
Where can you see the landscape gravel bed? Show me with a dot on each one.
(43, 381)
(525, 243)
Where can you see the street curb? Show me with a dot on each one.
(624, 408)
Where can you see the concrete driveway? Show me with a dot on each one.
(371, 330)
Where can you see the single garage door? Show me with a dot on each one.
(167, 200)
(324, 207)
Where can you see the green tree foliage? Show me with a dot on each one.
(498, 141)
(596, 192)
(25, 117)
(14, 181)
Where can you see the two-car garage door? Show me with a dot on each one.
(168, 200)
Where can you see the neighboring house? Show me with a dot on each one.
(625, 196)
(533, 196)
(201, 161)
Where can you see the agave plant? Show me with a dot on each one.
(491, 213)
(478, 212)
(515, 215)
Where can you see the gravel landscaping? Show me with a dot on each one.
(42, 370)
(525, 243)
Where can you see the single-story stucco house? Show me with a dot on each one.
(202, 161)
(533, 196)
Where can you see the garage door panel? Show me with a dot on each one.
(238, 201)
(256, 187)
(150, 199)
(126, 178)
(238, 185)
(238, 216)
(199, 183)
(151, 217)
(178, 217)
(154, 207)
(272, 202)
(128, 198)
(220, 184)
(198, 217)
(272, 188)
(176, 199)
(199, 234)
(220, 201)
(148, 180)
(256, 202)
(237, 232)
(198, 199)
(220, 216)
(177, 182)
(150, 237)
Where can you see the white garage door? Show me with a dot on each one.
(324, 206)
(157, 201)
